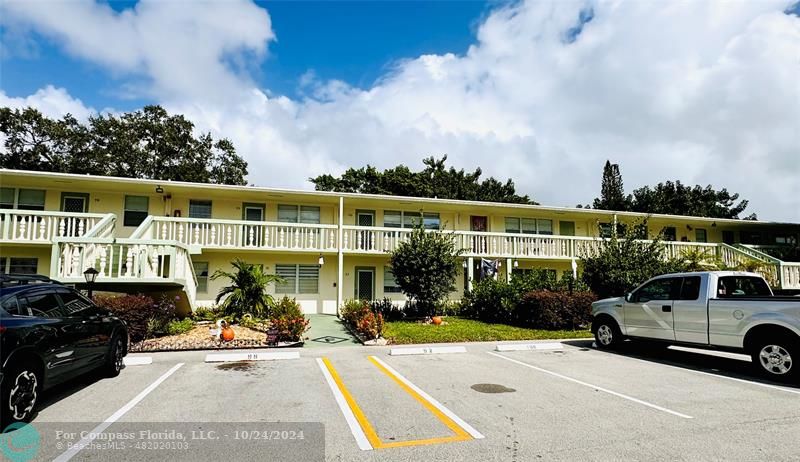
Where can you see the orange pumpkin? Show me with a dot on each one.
(227, 334)
(436, 320)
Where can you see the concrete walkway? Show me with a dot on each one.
(328, 330)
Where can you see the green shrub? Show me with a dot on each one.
(543, 309)
(144, 316)
(354, 310)
(176, 327)
(370, 325)
(491, 301)
(207, 314)
(247, 292)
(287, 317)
(425, 266)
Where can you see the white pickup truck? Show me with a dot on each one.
(724, 310)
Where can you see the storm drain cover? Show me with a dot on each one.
(329, 339)
(491, 388)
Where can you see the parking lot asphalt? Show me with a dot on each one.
(576, 403)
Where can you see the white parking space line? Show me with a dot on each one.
(467, 427)
(529, 346)
(604, 390)
(426, 350)
(254, 356)
(137, 360)
(71, 452)
(352, 422)
(711, 374)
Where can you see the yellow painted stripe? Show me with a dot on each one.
(430, 407)
(372, 436)
(369, 431)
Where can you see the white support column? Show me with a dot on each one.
(614, 227)
(340, 266)
(470, 272)
(508, 269)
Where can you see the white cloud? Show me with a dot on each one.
(51, 101)
(704, 92)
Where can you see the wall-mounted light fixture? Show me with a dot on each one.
(689, 227)
(516, 263)
(714, 224)
(159, 190)
(464, 264)
(321, 260)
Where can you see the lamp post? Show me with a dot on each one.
(90, 275)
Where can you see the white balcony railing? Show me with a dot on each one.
(122, 260)
(240, 234)
(39, 226)
(790, 275)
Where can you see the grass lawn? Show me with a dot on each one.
(468, 330)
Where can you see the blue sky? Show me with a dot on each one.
(552, 89)
(355, 41)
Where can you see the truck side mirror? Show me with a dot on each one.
(628, 296)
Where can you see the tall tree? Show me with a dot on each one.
(612, 192)
(670, 198)
(148, 143)
(435, 180)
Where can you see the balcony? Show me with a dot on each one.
(44, 227)
(198, 233)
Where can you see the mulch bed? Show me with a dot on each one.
(199, 338)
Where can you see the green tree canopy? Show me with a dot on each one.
(425, 267)
(669, 198)
(435, 180)
(148, 143)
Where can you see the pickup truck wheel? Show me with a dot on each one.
(20, 392)
(607, 334)
(778, 358)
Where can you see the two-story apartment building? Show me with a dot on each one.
(151, 236)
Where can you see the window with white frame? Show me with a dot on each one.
(700, 235)
(529, 225)
(201, 272)
(136, 210)
(23, 199)
(199, 209)
(298, 214)
(18, 265)
(401, 219)
(298, 279)
(390, 285)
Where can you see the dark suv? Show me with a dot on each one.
(50, 333)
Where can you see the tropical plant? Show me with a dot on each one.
(247, 292)
(425, 267)
(288, 319)
(696, 259)
(620, 264)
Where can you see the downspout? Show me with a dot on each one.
(340, 266)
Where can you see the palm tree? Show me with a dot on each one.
(247, 292)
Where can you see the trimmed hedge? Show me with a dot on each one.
(144, 316)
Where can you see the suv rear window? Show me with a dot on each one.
(742, 286)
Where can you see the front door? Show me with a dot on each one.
(365, 283)
(480, 244)
(365, 240)
(648, 312)
(77, 203)
(252, 234)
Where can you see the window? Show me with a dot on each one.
(400, 219)
(390, 285)
(529, 225)
(31, 199)
(136, 210)
(298, 279)
(74, 202)
(201, 271)
(605, 230)
(199, 209)
(566, 228)
(7, 198)
(700, 235)
(742, 286)
(10, 306)
(660, 289)
(690, 290)
(14, 265)
(298, 214)
(670, 233)
(785, 239)
(74, 304)
(41, 304)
